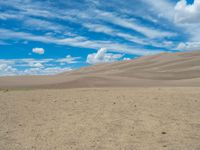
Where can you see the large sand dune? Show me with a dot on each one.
(166, 69)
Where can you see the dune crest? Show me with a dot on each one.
(165, 69)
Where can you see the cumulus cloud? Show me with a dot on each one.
(7, 69)
(189, 46)
(102, 56)
(30, 66)
(187, 13)
(39, 51)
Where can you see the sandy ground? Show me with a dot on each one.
(100, 119)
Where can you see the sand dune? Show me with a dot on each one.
(165, 69)
(133, 116)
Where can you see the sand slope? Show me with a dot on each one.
(166, 69)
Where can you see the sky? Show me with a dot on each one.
(46, 37)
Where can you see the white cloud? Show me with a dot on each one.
(112, 32)
(187, 16)
(36, 64)
(44, 71)
(187, 13)
(39, 24)
(39, 62)
(102, 56)
(5, 16)
(162, 8)
(189, 46)
(68, 59)
(127, 58)
(6, 69)
(29, 11)
(39, 51)
(44, 25)
(116, 33)
(29, 66)
(3, 67)
(127, 23)
(76, 42)
(10, 71)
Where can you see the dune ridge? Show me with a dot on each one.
(165, 69)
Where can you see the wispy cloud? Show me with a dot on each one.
(117, 33)
(76, 42)
(162, 8)
(68, 59)
(37, 9)
(127, 23)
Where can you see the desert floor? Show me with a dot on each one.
(100, 119)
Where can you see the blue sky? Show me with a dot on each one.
(39, 37)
